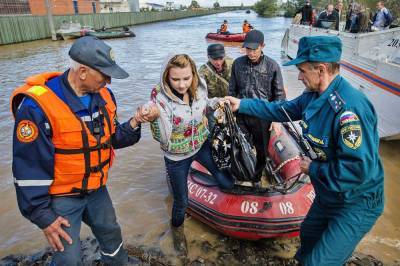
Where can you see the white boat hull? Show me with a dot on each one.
(366, 68)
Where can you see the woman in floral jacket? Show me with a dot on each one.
(181, 129)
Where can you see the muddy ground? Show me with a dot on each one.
(228, 251)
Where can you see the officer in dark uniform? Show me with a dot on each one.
(66, 129)
(341, 125)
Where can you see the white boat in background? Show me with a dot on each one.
(72, 30)
(371, 63)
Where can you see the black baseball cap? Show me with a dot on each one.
(216, 50)
(94, 53)
(253, 39)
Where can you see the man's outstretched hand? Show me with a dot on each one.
(233, 102)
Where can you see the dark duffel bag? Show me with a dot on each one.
(230, 149)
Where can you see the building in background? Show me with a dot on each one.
(14, 7)
(134, 5)
(114, 6)
(152, 6)
(64, 7)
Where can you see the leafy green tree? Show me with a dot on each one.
(216, 5)
(266, 8)
(290, 8)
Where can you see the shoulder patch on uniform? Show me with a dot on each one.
(27, 131)
(37, 90)
(348, 117)
(336, 101)
(351, 136)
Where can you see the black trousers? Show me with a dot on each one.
(257, 133)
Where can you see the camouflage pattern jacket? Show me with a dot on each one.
(217, 84)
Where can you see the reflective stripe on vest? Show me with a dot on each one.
(82, 159)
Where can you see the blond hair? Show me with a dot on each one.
(182, 61)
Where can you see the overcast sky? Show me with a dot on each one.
(203, 2)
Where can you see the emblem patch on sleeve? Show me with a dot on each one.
(348, 117)
(27, 131)
(351, 136)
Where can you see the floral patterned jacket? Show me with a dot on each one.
(181, 129)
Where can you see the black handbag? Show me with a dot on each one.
(231, 150)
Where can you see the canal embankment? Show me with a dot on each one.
(16, 29)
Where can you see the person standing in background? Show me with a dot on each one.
(306, 13)
(255, 75)
(382, 18)
(217, 73)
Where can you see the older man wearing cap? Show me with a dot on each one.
(255, 75)
(217, 73)
(65, 133)
(341, 125)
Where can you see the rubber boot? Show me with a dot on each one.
(179, 239)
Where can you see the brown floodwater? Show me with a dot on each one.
(137, 184)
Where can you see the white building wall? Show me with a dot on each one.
(114, 6)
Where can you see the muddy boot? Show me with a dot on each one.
(179, 239)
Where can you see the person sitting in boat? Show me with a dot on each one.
(328, 19)
(256, 75)
(246, 26)
(224, 28)
(341, 125)
(179, 102)
(382, 19)
(217, 73)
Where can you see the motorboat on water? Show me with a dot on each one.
(370, 62)
(231, 37)
(256, 211)
(111, 33)
(71, 30)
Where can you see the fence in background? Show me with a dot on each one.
(22, 28)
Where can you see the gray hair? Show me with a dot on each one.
(74, 65)
(333, 67)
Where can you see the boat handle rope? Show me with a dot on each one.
(282, 164)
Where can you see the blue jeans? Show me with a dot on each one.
(329, 234)
(178, 171)
(95, 210)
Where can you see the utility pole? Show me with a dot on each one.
(50, 19)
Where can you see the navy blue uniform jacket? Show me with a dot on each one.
(341, 125)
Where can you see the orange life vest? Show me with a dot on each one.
(224, 28)
(82, 160)
(246, 27)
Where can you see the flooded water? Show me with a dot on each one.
(137, 184)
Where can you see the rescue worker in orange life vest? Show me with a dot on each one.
(224, 28)
(65, 133)
(246, 26)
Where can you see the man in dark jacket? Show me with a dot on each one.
(256, 76)
(306, 13)
(328, 18)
